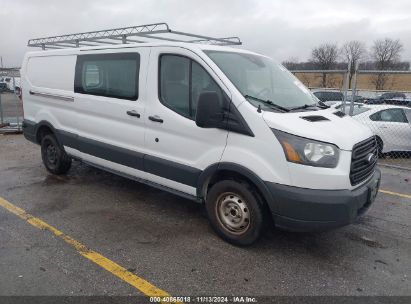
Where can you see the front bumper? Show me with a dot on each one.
(304, 210)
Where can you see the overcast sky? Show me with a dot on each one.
(280, 29)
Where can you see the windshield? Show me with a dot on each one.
(262, 78)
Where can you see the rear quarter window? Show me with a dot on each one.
(51, 72)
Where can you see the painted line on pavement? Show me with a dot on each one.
(395, 193)
(139, 283)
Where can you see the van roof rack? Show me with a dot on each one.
(155, 31)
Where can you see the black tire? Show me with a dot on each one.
(55, 159)
(225, 201)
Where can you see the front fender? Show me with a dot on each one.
(242, 171)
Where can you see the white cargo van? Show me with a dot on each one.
(222, 126)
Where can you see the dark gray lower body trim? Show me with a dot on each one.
(29, 130)
(315, 210)
(105, 151)
(177, 172)
(164, 168)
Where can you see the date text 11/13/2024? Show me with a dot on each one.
(203, 299)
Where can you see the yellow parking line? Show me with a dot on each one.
(395, 193)
(142, 285)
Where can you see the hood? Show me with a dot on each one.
(343, 131)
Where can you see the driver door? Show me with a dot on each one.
(177, 150)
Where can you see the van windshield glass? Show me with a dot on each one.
(263, 79)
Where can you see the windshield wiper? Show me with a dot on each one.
(306, 106)
(269, 103)
(322, 105)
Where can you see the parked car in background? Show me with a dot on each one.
(395, 98)
(357, 98)
(392, 95)
(329, 97)
(394, 101)
(391, 124)
(12, 83)
(3, 87)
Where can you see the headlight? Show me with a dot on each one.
(306, 151)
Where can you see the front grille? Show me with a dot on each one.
(362, 166)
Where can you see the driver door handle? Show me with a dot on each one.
(155, 118)
(133, 113)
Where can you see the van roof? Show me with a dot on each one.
(186, 45)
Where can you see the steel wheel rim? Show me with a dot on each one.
(233, 213)
(51, 154)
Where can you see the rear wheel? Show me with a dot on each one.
(235, 212)
(55, 159)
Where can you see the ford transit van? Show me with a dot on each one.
(222, 126)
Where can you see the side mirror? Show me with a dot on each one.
(209, 111)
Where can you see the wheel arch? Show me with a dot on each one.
(226, 170)
(43, 128)
(380, 144)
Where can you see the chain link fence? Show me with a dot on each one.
(387, 112)
(11, 108)
(11, 112)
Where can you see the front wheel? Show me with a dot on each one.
(235, 212)
(55, 159)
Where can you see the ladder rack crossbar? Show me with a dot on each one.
(124, 35)
(234, 40)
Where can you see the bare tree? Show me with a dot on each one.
(291, 63)
(386, 53)
(305, 78)
(353, 51)
(325, 57)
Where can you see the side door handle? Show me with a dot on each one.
(155, 118)
(133, 113)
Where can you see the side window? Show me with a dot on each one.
(375, 116)
(390, 115)
(201, 82)
(175, 83)
(109, 75)
(182, 81)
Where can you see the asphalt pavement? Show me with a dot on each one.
(167, 241)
